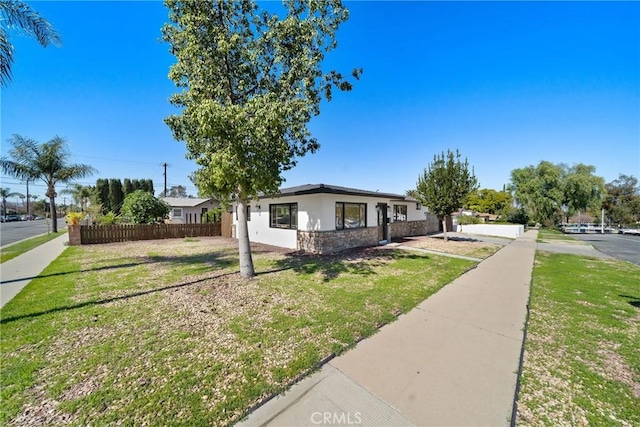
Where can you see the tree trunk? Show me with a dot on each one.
(242, 233)
(54, 214)
(444, 228)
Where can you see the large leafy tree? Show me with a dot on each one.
(490, 201)
(5, 193)
(48, 162)
(549, 192)
(445, 185)
(582, 189)
(251, 81)
(177, 191)
(539, 191)
(622, 202)
(20, 16)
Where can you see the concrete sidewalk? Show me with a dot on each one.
(451, 361)
(17, 272)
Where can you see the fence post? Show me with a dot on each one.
(74, 235)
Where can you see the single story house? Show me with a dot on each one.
(322, 218)
(189, 210)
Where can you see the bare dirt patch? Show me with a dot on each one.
(467, 247)
(614, 367)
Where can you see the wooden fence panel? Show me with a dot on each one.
(227, 224)
(92, 234)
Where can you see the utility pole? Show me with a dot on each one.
(165, 178)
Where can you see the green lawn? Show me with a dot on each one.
(582, 359)
(13, 251)
(167, 333)
(554, 236)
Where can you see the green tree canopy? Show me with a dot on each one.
(622, 202)
(48, 162)
(582, 189)
(539, 190)
(177, 191)
(127, 187)
(115, 195)
(102, 194)
(445, 185)
(250, 82)
(490, 201)
(141, 207)
(19, 15)
(549, 192)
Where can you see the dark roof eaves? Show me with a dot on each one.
(329, 189)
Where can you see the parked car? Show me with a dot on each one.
(632, 231)
(13, 217)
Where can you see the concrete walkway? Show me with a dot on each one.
(451, 361)
(16, 273)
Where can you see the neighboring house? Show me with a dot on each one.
(188, 210)
(323, 218)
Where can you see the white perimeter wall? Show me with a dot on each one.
(500, 230)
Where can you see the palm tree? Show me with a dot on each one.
(18, 14)
(80, 194)
(4, 193)
(48, 162)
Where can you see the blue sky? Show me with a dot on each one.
(508, 84)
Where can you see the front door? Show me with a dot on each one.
(382, 222)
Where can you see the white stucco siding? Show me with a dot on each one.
(312, 215)
(261, 232)
(414, 214)
(316, 212)
(190, 214)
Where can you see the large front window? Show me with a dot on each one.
(399, 213)
(351, 215)
(283, 215)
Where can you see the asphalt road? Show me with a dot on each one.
(11, 232)
(620, 246)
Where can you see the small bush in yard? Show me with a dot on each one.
(141, 207)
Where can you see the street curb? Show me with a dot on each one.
(29, 238)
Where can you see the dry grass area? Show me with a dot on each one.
(167, 333)
(457, 246)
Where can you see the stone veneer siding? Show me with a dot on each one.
(322, 242)
(413, 228)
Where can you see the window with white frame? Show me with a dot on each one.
(177, 213)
